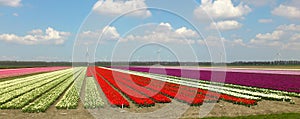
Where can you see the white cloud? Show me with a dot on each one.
(15, 14)
(164, 33)
(110, 33)
(291, 27)
(259, 3)
(275, 35)
(265, 20)
(118, 7)
(91, 37)
(11, 3)
(218, 41)
(284, 36)
(187, 32)
(225, 25)
(221, 9)
(287, 11)
(50, 36)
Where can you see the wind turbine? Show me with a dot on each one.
(221, 57)
(278, 56)
(158, 55)
(87, 55)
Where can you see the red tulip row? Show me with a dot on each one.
(187, 94)
(157, 97)
(125, 79)
(137, 97)
(113, 96)
(190, 95)
(228, 98)
(89, 71)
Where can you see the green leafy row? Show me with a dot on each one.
(71, 97)
(21, 101)
(17, 81)
(15, 93)
(42, 103)
(31, 81)
(92, 97)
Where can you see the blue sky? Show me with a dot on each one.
(189, 30)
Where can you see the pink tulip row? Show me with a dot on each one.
(24, 71)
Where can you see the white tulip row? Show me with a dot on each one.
(242, 93)
(42, 103)
(92, 98)
(270, 96)
(31, 81)
(9, 83)
(255, 89)
(30, 93)
(71, 97)
(12, 94)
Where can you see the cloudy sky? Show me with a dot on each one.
(143, 30)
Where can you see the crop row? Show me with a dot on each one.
(137, 97)
(30, 94)
(114, 97)
(42, 103)
(254, 78)
(190, 95)
(15, 93)
(124, 80)
(92, 98)
(14, 82)
(254, 89)
(71, 97)
(242, 93)
(32, 80)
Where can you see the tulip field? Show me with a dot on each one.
(95, 87)
(23, 71)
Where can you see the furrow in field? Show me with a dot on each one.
(42, 103)
(92, 98)
(71, 97)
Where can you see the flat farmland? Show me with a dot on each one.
(102, 92)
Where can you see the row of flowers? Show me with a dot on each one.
(29, 81)
(30, 93)
(92, 98)
(136, 97)
(262, 79)
(10, 83)
(125, 80)
(22, 90)
(24, 71)
(195, 96)
(192, 84)
(183, 93)
(71, 97)
(42, 103)
(261, 94)
(254, 89)
(114, 97)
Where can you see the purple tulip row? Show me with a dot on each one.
(254, 78)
